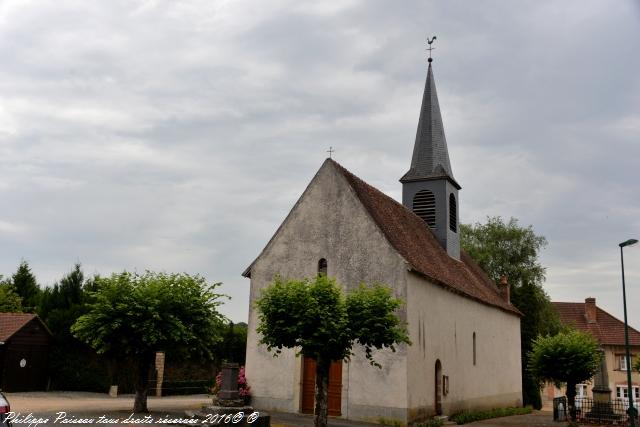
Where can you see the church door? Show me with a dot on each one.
(438, 388)
(309, 387)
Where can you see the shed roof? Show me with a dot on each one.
(10, 323)
(606, 329)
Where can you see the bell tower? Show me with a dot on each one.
(428, 188)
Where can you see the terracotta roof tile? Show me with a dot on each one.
(10, 323)
(413, 239)
(606, 329)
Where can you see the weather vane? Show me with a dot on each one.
(430, 48)
(330, 151)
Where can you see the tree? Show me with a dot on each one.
(507, 249)
(314, 316)
(25, 285)
(569, 357)
(10, 301)
(636, 366)
(136, 315)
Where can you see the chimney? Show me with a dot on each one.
(503, 287)
(590, 310)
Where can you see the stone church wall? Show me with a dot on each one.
(442, 325)
(329, 222)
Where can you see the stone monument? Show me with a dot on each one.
(602, 410)
(228, 406)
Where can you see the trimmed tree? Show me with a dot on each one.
(569, 357)
(136, 315)
(316, 318)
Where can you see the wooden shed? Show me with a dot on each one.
(24, 349)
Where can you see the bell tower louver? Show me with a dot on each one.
(428, 188)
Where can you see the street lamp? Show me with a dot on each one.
(631, 411)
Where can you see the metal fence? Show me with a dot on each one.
(589, 411)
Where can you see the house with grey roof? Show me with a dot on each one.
(465, 334)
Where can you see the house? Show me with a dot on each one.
(465, 332)
(609, 332)
(24, 349)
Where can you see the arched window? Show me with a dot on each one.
(474, 349)
(424, 205)
(453, 213)
(322, 266)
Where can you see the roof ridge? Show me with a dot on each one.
(460, 276)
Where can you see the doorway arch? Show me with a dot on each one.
(438, 390)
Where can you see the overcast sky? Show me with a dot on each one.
(177, 135)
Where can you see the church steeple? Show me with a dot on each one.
(430, 155)
(428, 188)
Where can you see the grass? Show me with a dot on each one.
(471, 416)
(390, 422)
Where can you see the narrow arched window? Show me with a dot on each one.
(424, 205)
(322, 266)
(474, 349)
(453, 213)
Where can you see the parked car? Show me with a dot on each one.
(4, 410)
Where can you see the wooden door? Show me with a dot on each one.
(438, 389)
(309, 386)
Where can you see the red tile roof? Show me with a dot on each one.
(606, 329)
(10, 323)
(417, 244)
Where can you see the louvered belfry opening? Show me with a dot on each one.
(424, 205)
(453, 213)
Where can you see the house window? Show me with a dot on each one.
(322, 266)
(474, 349)
(581, 390)
(622, 362)
(424, 205)
(622, 392)
(453, 213)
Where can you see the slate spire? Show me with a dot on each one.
(430, 158)
(429, 189)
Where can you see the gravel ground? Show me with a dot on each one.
(82, 406)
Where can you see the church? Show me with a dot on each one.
(465, 334)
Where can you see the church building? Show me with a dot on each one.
(465, 334)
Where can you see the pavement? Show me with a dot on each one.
(47, 409)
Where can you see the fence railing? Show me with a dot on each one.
(595, 412)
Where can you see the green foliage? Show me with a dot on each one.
(570, 356)
(433, 422)
(390, 422)
(507, 249)
(472, 416)
(139, 314)
(10, 301)
(135, 315)
(73, 365)
(25, 285)
(636, 366)
(234, 344)
(314, 316)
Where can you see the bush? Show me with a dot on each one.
(390, 422)
(432, 423)
(471, 416)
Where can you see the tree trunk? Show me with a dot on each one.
(142, 384)
(571, 400)
(322, 392)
